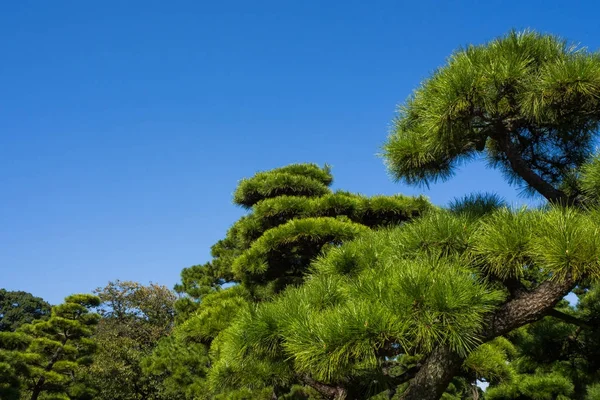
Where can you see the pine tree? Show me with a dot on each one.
(294, 216)
(57, 348)
(529, 103)
(13, 366)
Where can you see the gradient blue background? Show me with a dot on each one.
(125, 125)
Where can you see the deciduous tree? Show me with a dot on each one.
(134, 318)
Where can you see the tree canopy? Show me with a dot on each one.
(18, 308)
(293, 214)
(529, 103)
(526, 101)
(134, 318)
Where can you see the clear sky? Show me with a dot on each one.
(125, 125)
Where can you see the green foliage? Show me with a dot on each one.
(593, 392)
(47, 354)
(288, 248)
(217, 311)
(12, 363)
(178, 368)
(535, 387)
(589, 180)
(293, 219)
(402, 291)
(18, 308)
(333, 326)
(273, 245)
(490, 361)
(372, 212)
(562, 242)
(293, 180)
(477, 205)
(567, 242)
(440, 234)
(502, 242)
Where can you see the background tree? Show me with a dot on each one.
(18, 308)
(57, 348)
(293, 217)
(134, 318)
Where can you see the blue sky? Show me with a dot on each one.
(125, 126)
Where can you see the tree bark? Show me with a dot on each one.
(37, 389)
(443, 364)
(527, 307)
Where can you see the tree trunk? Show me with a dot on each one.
(443, 364)
(37, 389)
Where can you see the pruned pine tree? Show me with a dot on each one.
(56, 348)
(411, 312)
(293, 217)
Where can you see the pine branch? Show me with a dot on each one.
(520, 167)
(443, 363)
(527, 307)
(570, 319)
(338, 392)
